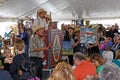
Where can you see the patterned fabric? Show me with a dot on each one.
(36, 42)
(116, 47)
(110, 72)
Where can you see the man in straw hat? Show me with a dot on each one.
(40, 20)
(37, 47)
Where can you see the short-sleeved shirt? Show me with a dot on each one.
(36, 42)
(99, 69)
(83, 69)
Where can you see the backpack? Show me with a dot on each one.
(26, 66)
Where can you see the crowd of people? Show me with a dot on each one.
(97, 67)
(103, 54)
(28, 49)
(98, 61)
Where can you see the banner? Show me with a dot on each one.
(67, 48)
(88, 35)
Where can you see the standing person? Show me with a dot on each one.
(76, 45)
(24, 36)
(37, 47)
(40, 20)
(69, 34)
(83, 68)
(68, 39)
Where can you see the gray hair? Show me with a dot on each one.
(79, 56)
(108, 55)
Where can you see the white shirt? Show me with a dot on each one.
(39, 21)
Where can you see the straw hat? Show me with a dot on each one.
(47, 16)
(77, 30)
(35, 28)
(41, 11)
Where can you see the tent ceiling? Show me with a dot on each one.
(61, 9)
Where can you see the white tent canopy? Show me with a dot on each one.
(61, 9)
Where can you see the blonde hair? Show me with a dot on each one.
(62, 71)
(98, 58)
(19, 45)
(117, 54)
(7, 49)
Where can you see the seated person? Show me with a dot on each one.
(7, 59)
(83, 67)
(98, 61)
(107, 43)
(5, 75)
(17, 59)
(110, 73)
(62, 71)
(116, 45)
(26, 71)
(110, 70)
(117, 58)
